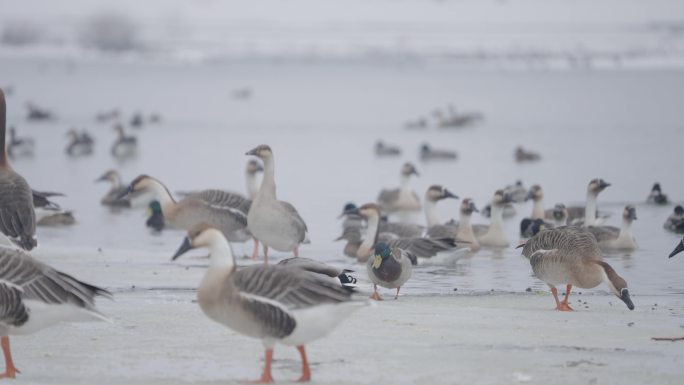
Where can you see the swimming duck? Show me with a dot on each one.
(19, 146)
(429, 153)
(389, 268)
(382, 149)
(656, 196)
(495, 235)
(522, 155)
(112, 198)
(675, 222)
(613, 238)
(529, 226)
(572, 256)
(155, 221)
(124, 145)
(276, 304)
(79, 143)
(400, 199)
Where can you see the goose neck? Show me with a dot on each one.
(220, 254)
(590, 210)
(538, 209)
(431, 213)
(268, 188)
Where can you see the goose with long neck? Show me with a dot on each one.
(253, 168)
(593, 189)
(570, 255)
(225, 211)
(402, 199)
(273, 303)
(613, 238)
(495, 235)
(416, 247)
(17, 215)
(434, 194)
(276, 224)
(117, 188)
(124, 145)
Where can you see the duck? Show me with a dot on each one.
(530, 227)
(80, 144)
(49, 213)
(402, 199)
(124, 145)
(517, 192)
(495, 235)
(588, 215)
(675, 222)
(656, 196)
(276, 224)
(222, 210)
(19, 146)
(106, 116)
(36, 296)
(339, 276)
(382, 149)
(17, 215)
(36, 112)
(531, 224)
(251, 172)
(273, 303)
(419, 247)
(117, 188)
(522, 155)
(429, 153)
(613, 238)
(570, 255)
(155, 221)
(678, 249)
(398, 229)
(389, 268)
(559, 215)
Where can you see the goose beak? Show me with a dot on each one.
(252, 152)
(529, 196)
(603, 184)
(678, 249)
(184, 247)
(624, 296)
(520, 245)
(449, 194)
(125, 193)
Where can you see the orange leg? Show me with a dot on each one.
(306, 372)
(296, 251)
(559, 305)
(376, 295)
(255, 252)
(265, 254)
(266, 376)
(564, 302)
(397, 296)
(10, 370)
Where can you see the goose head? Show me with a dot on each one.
(560, 213)
(617, 285)
(254, 167)
(436, 193)
(409, 169)
(678, 249)
(382, 252)
(262, 152)
(144, 187)
(656, 189)
(501, 198)
(202, 235)
(535, 193)
(596, 186)
(111, 176)
(629, 214)
(468, 207)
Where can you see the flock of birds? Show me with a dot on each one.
(299, 300)
(429, 153)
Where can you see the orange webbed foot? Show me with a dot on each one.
(10, 373)
(376, 296)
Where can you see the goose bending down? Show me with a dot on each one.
(613, 238)
(124, 145)
(17, 216)
(587, 215)
(678, 249)
(675, 222)
(400, 199)
(112, 198)
(398, 229)
(274, 303)
(79, 143)
(253, 168)
(382, 149)
(322, 269)
(416, 247)
(18, 146)
(656, 196)
(156, 219)
(35, 296)
(429, 153)
(570, 255)
(274, 223)
(495, 235)
(389, 268)
(227, 212)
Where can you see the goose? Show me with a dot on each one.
(529, 226)
(79, 143)
(571, 255)
(656, 196)
(19, 146)
(382, 149)
(434, 194)
(588, 215)
(495, 236)
(35, 296)
(225, 211)
(613, 238)
(517, 192)
(17, 216)
(418, 246)
(156, 217)
(402, 198)
(675, 222)
(274, 303)
(341, 276)
(463, 230)
(559, 215)
(106, 116)
(117, 188)
(522, 155)
(398, 229)
(429, 153)
(36, 112)
(124, 145)
(253, 168)
(389, 268)
(276, 224)
(509, 211)
(678, 249)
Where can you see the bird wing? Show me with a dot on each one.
(12, 309)
(17, 217)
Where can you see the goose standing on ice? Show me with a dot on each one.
(276, 224)
(656, 196)
(382, 149)
(276, 304)
(418, 246)
(35, 296)
(570, 255)
(17, 216)
(678, 249)
(253, 168)
(495, 235)
(613, 238)
(112, 198)
(390, 268)
(675, 222)
(124, 145)
(18, 146)
(402, 199)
